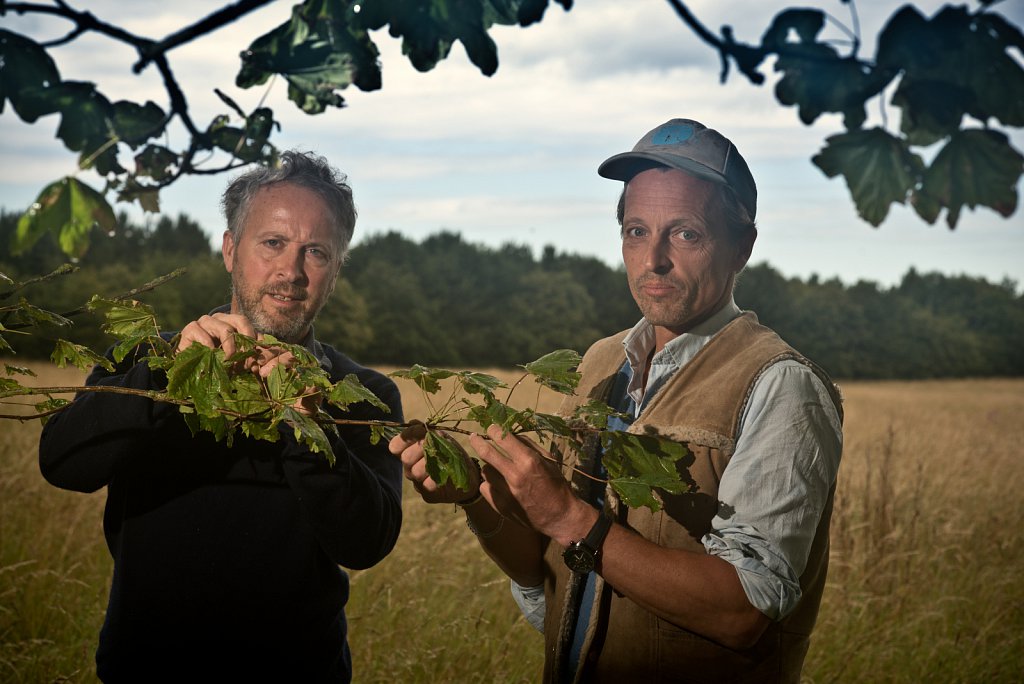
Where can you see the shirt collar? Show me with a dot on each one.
(639, 343)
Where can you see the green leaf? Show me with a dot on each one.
(429, 28)
(78, 355)
(976, 167)
(29, 314)
(556, 370)
(815, 78)
(955, 63)
(198, 374)
(131, 322)
(86, 125)
(18, 370)
(309, 433)
(248, 144)
(148, 197)
(493, 412)
(637, 464)
(379, 431)
(878, 168)
(156, 161)
(427, 379)
(596, 413)
(322, 49)
(50, 404)
(26, 66)
(479, 383)
(349, 391)
(69, 209)
(446, 461)
(12, 388)
(134, 123)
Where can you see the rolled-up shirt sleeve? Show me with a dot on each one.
(776, 485)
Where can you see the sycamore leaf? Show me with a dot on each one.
(33, 315)
(11, 388)
(26, 65)
(547, 424)
(492, 412)
(69, 209)
(322, 49)
(815, 78)
(596, 413)
(198, 374)
(157, 162)
(309, 433)
(556, 370)
(216, 424)
(878, 168)
(479, 383)
(135, 123)
(976, 167)
(283, 386)
(78, 355)
(427, 379)
(637, 464)
(130, 321)
(379, 431)
(50, 404)
(446, 461)
(349, 390)
(147, 197)
(18, 370)
(955, 63)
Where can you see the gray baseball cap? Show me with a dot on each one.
(692, 147)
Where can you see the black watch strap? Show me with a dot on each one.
(598, 532)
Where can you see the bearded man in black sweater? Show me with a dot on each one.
(226, 560)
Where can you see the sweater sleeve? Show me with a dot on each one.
(354, 507)
(82, 446)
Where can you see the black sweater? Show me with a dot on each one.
(226, 559)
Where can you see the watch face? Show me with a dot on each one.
(579, 558)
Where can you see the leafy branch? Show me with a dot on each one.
(322, 49)
(953, 65)
(222, 395)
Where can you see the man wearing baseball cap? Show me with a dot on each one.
(723, 584)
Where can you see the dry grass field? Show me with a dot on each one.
(924, 584)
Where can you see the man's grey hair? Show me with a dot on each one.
(738, 223)
(307, 170)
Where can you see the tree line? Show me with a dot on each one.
(447, 302)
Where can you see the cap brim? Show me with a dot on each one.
(628, 164)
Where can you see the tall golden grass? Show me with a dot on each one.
(924, 583)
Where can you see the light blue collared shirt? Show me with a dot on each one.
(776, 485)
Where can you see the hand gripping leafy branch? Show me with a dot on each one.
(220, 394)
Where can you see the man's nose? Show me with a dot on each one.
(658, 258)
(291, 266)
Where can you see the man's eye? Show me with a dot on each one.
(634, 232)
(272, 242)
(687, 235)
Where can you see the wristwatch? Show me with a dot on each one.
(581, 556)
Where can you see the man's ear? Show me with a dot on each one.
(227, 249)
(745, 248)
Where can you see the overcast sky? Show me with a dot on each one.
(513, 158)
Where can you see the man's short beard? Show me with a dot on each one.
(291, 329)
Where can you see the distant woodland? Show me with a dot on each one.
(446, 302)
